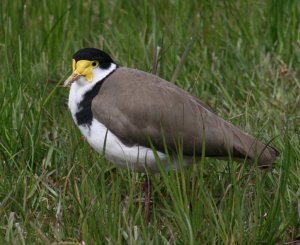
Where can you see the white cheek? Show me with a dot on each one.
(99, 74)
(82, 85)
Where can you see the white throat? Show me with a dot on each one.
(81, 86)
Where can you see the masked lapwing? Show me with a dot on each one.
(134, 117)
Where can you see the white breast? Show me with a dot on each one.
(101, 139)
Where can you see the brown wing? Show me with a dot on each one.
(139, 107)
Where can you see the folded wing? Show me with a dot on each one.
(140, 108)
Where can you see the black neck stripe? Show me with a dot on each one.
(84, 116)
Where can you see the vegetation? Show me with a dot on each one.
(242, 59)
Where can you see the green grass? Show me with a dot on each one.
(244, 63)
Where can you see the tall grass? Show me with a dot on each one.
(243, 62)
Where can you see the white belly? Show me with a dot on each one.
(137, 158)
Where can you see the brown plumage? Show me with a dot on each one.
(140, 108)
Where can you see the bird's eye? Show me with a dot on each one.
(94, 63)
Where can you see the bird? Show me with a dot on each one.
(135, 118)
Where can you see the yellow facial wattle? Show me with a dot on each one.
(82, 68)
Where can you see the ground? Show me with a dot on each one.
(239, 57)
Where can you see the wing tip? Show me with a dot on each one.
(268, 157)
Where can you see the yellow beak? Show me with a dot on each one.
(71, 79)
(80, 68)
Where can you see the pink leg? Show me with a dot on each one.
(147, 191)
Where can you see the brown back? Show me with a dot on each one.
(139, 107)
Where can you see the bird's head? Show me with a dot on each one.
(90, 65)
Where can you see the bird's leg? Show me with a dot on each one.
(147, 191)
